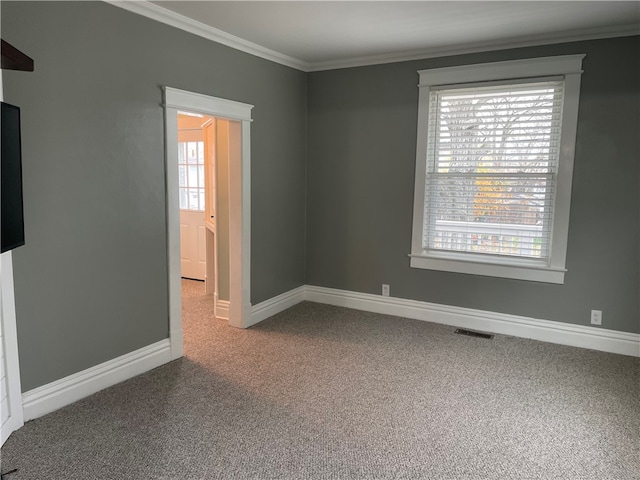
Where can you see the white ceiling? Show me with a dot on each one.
(319, 35)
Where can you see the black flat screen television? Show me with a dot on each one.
(12, 232)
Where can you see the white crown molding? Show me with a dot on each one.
(532, 41)
(163, 15)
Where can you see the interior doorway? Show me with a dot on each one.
(228, 126)
(206, 146)
(196, 164)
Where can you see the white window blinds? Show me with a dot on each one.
(492, 163)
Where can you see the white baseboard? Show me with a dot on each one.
(221, 308)
(594, 338)
(268, 308)
(544, 330)
(55, 395)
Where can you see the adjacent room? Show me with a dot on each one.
(321, 240)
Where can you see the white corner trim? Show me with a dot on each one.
(55, 395)
(268, 308)
(10, 397)
(221, 308)
(168, 17)
(544, 330)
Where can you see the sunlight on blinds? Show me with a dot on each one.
(491, 169)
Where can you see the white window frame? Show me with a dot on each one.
(199, 163)
(553, 271)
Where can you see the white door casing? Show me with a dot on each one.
(11, 413)
(210, 210)
(10, 388)
(239, 199)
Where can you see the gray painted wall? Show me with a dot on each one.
(361, 158)
(91, 282)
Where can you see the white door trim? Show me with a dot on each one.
(239, 199)
(9, 347)
(9, 344)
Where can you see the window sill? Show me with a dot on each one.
(503, 269)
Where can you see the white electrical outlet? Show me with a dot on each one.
(385, 290)
(596, 317)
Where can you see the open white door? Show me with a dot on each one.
(193, 247)
(191, 189)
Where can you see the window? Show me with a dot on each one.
(191, 175)
(494, 166)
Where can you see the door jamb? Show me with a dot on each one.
(239, 199)
(9, 338)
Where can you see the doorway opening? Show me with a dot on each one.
(207, 178)
(196, 191)
(204, 153)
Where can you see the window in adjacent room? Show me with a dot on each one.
(494, 164)
(191, 175)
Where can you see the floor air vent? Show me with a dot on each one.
(469, 333)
